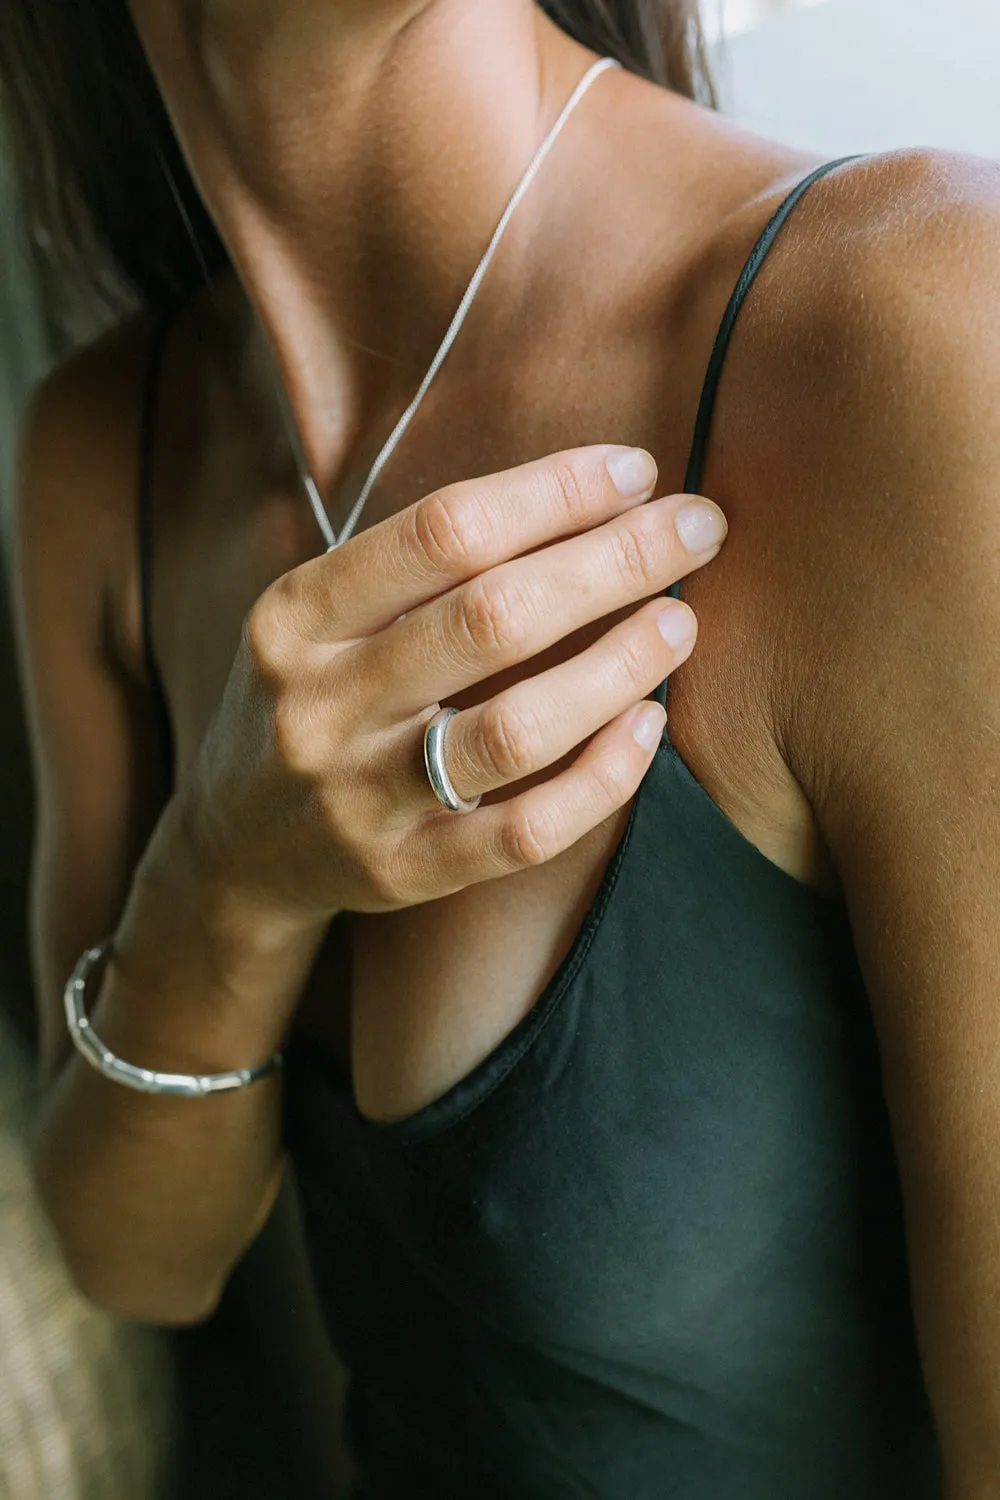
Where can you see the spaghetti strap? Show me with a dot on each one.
(706, 406)
(147, 449)
(757, 257)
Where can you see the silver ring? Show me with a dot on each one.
(437, 775)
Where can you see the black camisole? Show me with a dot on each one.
(652, 1247)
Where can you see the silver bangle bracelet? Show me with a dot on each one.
(145, 1080)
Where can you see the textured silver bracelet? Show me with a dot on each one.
(146, 1080)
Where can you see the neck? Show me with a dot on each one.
(356, 156)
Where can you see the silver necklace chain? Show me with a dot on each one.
(330, 536)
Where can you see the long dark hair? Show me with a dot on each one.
(113, 212)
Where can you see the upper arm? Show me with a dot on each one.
(895, 729)
(87, 712)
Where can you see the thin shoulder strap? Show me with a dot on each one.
(147, 451)
(706, 409)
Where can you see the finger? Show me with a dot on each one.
(537, 824)
(457, 532)
(539, 720)
(520, 607)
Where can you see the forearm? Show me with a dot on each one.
(155, 1198)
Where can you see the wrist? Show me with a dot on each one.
(199, 978)
(180, 857)
(145, 1079)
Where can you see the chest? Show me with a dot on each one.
(672, 1179)
(411, 1001)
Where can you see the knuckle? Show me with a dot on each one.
(530, 838)
(449, 529)
(305, 735)
(384, 878)
(495, 617)
(635, 661)
(344, 822)
(509, 742)
(611, 780)
(637, 554)
(293, 742)
(262, 635)
(569, 490)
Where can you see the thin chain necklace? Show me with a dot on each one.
(330, 536)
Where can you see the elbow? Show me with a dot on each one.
(142, 1298)
(114, 1278)
(136, 1293)
(160, 1305)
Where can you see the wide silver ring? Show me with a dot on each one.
(437, 774)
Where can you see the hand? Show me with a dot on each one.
(309, 791)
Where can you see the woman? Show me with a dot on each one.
(645, 1115)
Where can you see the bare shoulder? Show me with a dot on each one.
(869, 435)
(897, 261)
(885, 278)
(100, 383)
(79, 465)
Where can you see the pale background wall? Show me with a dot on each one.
(841, 76)
(735, 16)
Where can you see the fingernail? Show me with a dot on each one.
(632, 470)
(648, 726)
(676, 626)
(700, 525)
